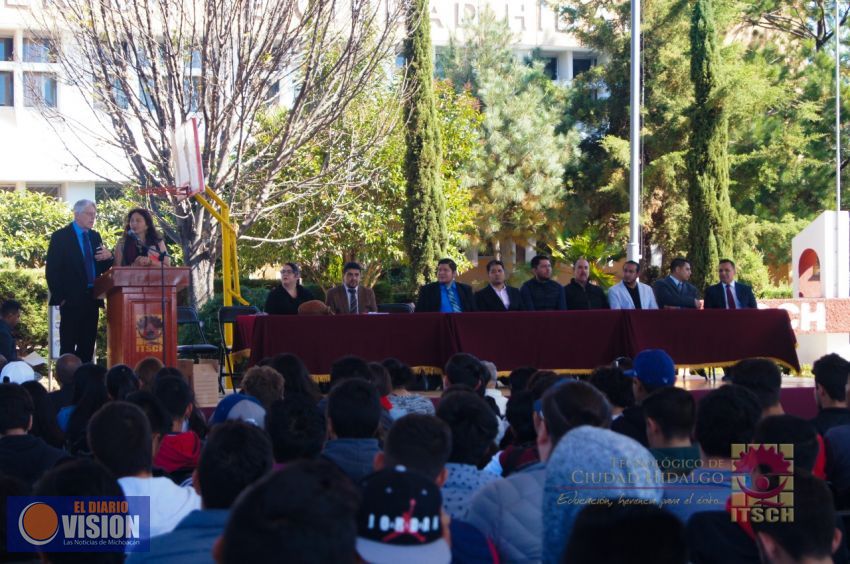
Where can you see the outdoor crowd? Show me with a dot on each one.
(619, 467)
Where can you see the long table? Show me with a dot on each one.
(574, 341)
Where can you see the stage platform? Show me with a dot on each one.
(797, 394)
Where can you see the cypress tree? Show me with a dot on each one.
(425, 234)
(710, 233)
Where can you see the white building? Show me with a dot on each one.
(62, 156)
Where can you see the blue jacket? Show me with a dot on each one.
(355, 457)
(7, 342)
(191, 542)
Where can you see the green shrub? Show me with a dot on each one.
(780, 292)
(29, 287)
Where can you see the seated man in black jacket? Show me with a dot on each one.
(497, 295)
(445, 295)
(580, 293)
(22, 455)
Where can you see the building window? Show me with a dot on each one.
(192, 92)
(51, 190)
(107, 191)
(581, 65)
(39, 89)
(7, 90)
(550, 67)
(6, 48)
(38, 50)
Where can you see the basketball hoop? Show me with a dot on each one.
(185, 146)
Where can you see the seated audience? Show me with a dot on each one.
(44, 423)
(240, 407)
(519, 446)
(264, 383)
(86, 478)
(22, 455)
(831, 373)
(235, 456)
(286, 298)
(158, 417)
(645, 533)
(84, 374)
(445, 295)
(497, 295)
(399, 497)
(297, 429)
(64, 369)
(92, 378)
(146, 370)
(812, 536)
(713, 536)
(580, 293)
(304, 513)
(510, 511)
(518, 378)
(180, 449)
(467, 370)
(121, 381)
(652, 369)
(10, 486)
(585, 457)
(725, 416)
(617, 388)
(354, 411)
(120, 438)
(541, 293)
(402, 400)
(296, 377)
(490, 390)
(762, 377)
(423, 443)
(670, 415)
(473, 431)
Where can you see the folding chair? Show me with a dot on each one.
(187, 315)
(227, 316)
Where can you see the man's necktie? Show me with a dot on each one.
(679, 286)
(88, 258)
(453, 300)
(730, 299)
(352, 303)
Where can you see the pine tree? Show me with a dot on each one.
(710, 233)
(425, 233)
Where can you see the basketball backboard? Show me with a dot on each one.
(186, 158)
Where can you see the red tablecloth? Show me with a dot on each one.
(572, 340)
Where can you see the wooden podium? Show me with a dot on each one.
(136, 326)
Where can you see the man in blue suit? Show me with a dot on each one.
(729, 294)
(674, 291)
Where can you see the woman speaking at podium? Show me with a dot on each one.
(141, 244)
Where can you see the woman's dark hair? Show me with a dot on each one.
(152, 236)
(121, 381)
(296, 377)
(473, 425)
(571, 404)
(520, 415)
(93, 378)
(44, 423)
(380, 377)
(400, 373)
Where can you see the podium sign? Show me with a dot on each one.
(138, 326)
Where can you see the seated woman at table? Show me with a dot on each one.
(141, 243)
(285, 299)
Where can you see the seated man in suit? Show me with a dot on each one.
(631, 293)
(498, 296)
(445, 295)
(350, 296)
(580, 293)
(541, 293)
(729, 294)
(674, 291)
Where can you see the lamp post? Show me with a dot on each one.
(634, 138)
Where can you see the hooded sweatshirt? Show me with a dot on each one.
(355, 457)
(169, 502)
(178, 451)
(592, 465)
(27, 457)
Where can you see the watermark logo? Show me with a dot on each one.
(78, 524)
(763, 483)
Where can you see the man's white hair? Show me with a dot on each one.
(81, 205)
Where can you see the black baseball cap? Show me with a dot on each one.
(399, 519)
